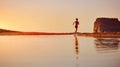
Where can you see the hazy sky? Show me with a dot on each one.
(55, 15)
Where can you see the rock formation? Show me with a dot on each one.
(106, 25)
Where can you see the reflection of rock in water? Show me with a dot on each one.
(107, 44)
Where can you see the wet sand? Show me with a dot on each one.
(101, 35)
(96, 35)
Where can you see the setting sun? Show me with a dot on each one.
(55, 15)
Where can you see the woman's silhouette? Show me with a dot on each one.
(76, 23)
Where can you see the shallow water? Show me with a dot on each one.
(59, 51)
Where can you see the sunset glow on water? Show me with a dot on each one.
(58, 51)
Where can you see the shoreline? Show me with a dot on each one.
(101, 35)
(95, 35)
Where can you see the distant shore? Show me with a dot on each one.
(33, 33)
(96, 35)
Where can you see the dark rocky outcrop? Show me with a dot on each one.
(106, 25)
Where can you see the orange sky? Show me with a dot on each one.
(55, 15)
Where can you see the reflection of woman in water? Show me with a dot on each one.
(76, 45)
(76, 23)
(76, 50)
